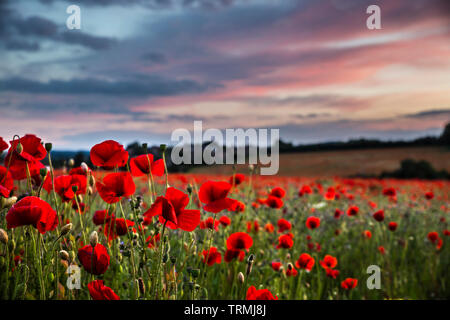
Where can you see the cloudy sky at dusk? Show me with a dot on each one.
(139, 69)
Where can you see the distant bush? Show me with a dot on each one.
(410, 169)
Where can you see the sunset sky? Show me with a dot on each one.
(139, 69)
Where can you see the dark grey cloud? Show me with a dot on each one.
(154, 4)
(430, 113)
(154, 57)
(20, 33)
(138, 86)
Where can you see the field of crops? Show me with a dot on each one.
(126, 229)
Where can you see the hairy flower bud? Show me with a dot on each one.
(19, 148)
(64, 255)
(48, 146)
(66, 229)
(71, 162)
(3, 236)
(241, 278)
(93, 239)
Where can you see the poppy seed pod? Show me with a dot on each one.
(163, 147)
(93, 239)
(48, 146)
(241, 278)
(66, 229)
(195, 273)
(74, 188)
(3, 236)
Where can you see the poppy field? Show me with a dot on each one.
(128, 229)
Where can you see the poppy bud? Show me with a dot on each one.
(141, 286)
(3, 236)
(66, 229)
(290, 266)
(165, 258)
(48, 146)
(93, 239)
(145, 146)
(162, 147)
(19, 148)
(250, 261)
(12, 245)
(71, 162)
(43, 172)
(89, 191)
(241, 278)
(251, 167)
(64, 255)
(189, 189)
(91, 180)
(195, 273)
(8, 202)
(288, 256)
(173, 260)
(74, 188)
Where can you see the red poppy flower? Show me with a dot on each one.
(82, 170)
(367, 234)
(231, 254)
(381, 250)
(283, 225)
(210, 223)
(305, 190)
(429, 195)
(240, 241)
(102, 216)
(305, 261)
(108, 155)
(349, 283)
(32, 152)
(153, 240)
(352, 211)
(392, 226)
(269, 227)
(6, 182)
(238, 179)
(433, 236)
(237, 206)
(328, 262)
(3, 145)
(142, 165)
(99, 291)
(276, 265)
(115, 186)
(32, 211)
(214, 195)
(312, 222)
(274, 202)
(95, 261)
(225, 221)
(379, 215)
(64, 186)
(390, 192)
(262, 294)
(32, 149)
(171, 210)
(212, 255)
(338, 213)
(291, 272)
(278, 192)
(446, 233)
(116, 228)
(332, 273)
(285, 241)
